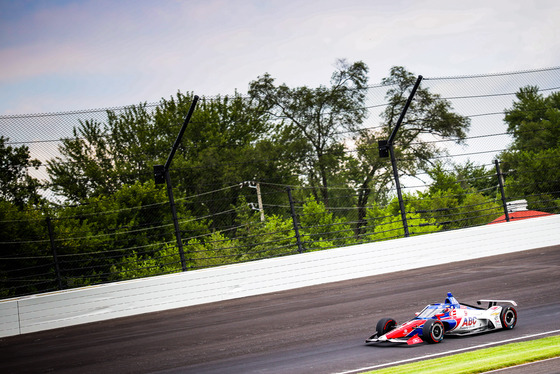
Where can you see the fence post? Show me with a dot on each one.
(501, 184)
(161, 175)
(175, 221)
(55, 257)
(399, 192)
(294, 219)
(386, 149)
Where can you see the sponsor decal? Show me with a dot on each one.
(414, 340)
(469, 321)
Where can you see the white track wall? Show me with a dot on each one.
(96, 303)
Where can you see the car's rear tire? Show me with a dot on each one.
(432, 331)
(508, 317)
(385, 325)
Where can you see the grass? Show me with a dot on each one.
(483, 360)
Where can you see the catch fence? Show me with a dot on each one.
(131, 233)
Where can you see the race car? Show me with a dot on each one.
(447, 318)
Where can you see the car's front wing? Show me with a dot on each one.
(413, 340)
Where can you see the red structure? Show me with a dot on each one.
(523, 214)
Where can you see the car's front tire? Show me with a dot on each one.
(385, 325)
(432, 331)
(508, 317)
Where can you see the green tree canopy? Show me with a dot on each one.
(317, 119)
(453, 200)
(227, 141)
(16, 184)
(531, 162)
(534, 120)
(427, 115)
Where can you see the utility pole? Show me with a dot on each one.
(259, 197)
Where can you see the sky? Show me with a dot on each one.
(64, 55)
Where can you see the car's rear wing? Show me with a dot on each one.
(492, 303)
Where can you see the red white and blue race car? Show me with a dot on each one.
(447, 318)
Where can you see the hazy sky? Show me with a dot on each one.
(59, 55)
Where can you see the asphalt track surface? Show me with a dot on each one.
(318, 329)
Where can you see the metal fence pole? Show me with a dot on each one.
(55, 257)
(399, 192)
(294, 219)
(175, 221)
(386, 149)
(161, 175)
(501, 184)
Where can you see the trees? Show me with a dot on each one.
(22, 224)
(453, 199)
(531, 162)
(428, 115)
(534, 176)
(384, 222)
(26, 260)
(534, 120)
(103, 156)
(274, 135)
(320, 229)
(315, 120)
(16, 184)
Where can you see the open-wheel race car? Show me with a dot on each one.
(447, 318)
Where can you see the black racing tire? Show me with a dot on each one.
(385, 325)
(432, 331)
(508, 317)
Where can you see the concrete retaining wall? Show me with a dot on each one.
(89, 304)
